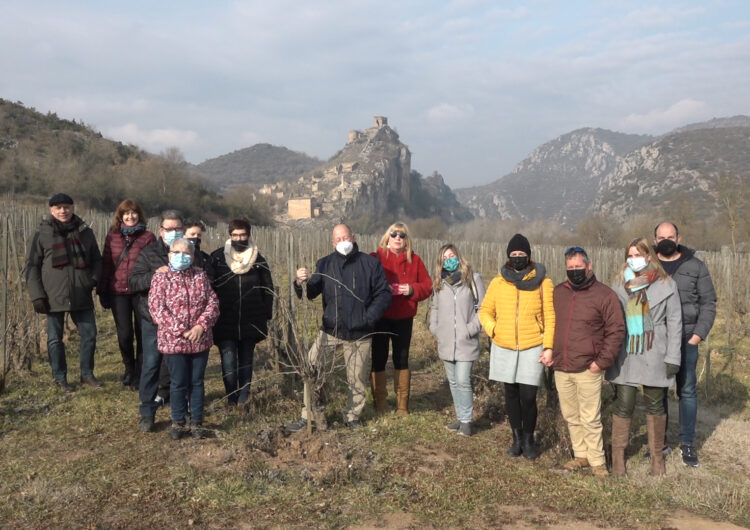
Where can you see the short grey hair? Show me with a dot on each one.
(185, 243)
(175, 215)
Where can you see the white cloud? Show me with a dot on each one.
(661, 120)
(154, 140)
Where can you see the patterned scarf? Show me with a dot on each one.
(451, 278)
(637, 311)
(68, 232)
(240, 262)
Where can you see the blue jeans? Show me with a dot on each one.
(459, 380)
(237, 368)
(186, 371)
(150, 370)
(686, 391)
(85, 321)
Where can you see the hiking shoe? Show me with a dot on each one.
(464, 429)
(146, 424)
(295, 426)
(689, 456)
(576, 464)
(177, 430)
(197, 431)
(453, 426)
(353, 424)
(90, 380)
(64, 386)
(600, 471)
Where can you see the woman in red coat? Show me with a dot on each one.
(125, 240)
(410, 283)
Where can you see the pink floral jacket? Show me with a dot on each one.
(178, 300)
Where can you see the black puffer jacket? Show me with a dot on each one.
(151, 258)
(245, 300)
(697, 294)
(355, 293)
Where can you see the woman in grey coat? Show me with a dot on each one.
(651, 353)
(457, 293)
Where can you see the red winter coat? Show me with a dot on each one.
(116, 281)
(399, 270)
(177, 301)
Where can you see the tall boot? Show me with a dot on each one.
(656, 426)
(620, 437)
(402, 384)
(379, 391)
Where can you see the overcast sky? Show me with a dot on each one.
(471, 86)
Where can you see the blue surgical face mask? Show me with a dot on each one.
(171, 235)
(180, 261)
(451, 264)
(637, 264)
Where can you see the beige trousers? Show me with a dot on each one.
(357, 358)
(581, 406)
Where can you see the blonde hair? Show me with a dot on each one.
(397, 227)
(467, 275)
(645, 249)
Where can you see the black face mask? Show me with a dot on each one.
(518, 263)
(576, 276)
(240, 245)
(195, 241)
(666, 247)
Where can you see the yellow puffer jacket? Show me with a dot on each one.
(515, 319)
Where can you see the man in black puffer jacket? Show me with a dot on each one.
(355, 296)
(698, 299)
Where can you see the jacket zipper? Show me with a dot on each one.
(239, 311)
(567, 331)
(455, 330)
(518, 308)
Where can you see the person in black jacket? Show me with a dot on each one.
(245, 289)
(355, 296)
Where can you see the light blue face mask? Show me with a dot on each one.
(171, 235)
(180, 261)
(451, 264)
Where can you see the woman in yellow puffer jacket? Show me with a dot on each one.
(516, 311)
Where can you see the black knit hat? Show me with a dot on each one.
(518, 242)
(60, 198)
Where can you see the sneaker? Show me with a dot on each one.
(146, 424)
(295, 426)
(353, 424)
(665, 452)
(689, 456)
(453, 426)
(160, 402)
(90, 380)
(177, 430)
(65, 386)
(464, 429)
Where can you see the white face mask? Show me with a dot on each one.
(344, 247)
(637, 264)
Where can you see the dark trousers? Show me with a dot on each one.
(396, 333)
(128, 325)
(520, 406)
(188, 371)
(85, 321)
(237, 368)
(149, 371)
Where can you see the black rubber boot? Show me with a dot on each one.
(528, 447)
(515, 449)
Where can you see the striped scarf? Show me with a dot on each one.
(637, 311)
(66, 246)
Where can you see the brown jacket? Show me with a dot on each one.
(589, 326)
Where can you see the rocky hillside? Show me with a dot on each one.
(256, 165)
(559, 180)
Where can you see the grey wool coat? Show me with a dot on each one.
(454, 321)
(648, 368)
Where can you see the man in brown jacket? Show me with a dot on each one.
(589, 331)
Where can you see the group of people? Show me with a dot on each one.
(171, 302)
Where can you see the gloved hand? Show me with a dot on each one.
(672, 369)
(41, 306)
(105, 299)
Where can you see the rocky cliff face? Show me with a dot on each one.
(559, 180)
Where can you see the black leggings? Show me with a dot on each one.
(397, 332)
(520, 406)
(128, 326)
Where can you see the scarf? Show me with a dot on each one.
(240, 262)
(637, 311)
(63, 254)
(130, 230)
(517, 277)
(451, 278)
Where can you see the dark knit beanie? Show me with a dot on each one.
(518, 242)
(60, 198)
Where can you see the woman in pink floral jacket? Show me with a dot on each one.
(184, 307)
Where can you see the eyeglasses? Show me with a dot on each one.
(395, 234)
(575, 250)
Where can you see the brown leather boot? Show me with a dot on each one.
(620, 437)
(379, 392)
(656, 426)
(402, 384)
